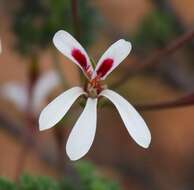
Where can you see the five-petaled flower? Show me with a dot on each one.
(82, 134)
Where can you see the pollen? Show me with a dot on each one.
(94, 87)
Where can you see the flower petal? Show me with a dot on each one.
(55, 110)
(134, 123)
(17, 93)
(43, 87)
(115, 54)
(82, 134)
(71, 48)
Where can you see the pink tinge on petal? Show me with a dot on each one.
(105, 67)
(80, 58)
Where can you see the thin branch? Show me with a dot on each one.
(29, 129)
(76, 24)
(76, 19)
(59, 137)
(155, 57)
(187, 100)
(59, 70)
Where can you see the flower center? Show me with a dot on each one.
(94, 87)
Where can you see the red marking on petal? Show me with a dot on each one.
(105, 67)
(80, 58)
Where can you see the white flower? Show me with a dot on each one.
(83, 132)
(17, 93)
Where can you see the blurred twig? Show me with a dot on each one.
(76, 19)
(155, 57)
(184, 101)
(76, 24)
(58, 68)
(187, 100)
(59, 137)
(29, 129)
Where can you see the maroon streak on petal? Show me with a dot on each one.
(105, 67)
(80, 58)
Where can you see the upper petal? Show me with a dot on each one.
(115, 54)
(82, 134)
(71, 48)
(55, 110)
(17, 93)
(43, 87)
(134, 123)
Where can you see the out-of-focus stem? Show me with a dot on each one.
(29, 130)
(76, 25)
(75, 17)
(57, 66)
(64, 166)
(26, 134)
(187, 100)
(59, 137)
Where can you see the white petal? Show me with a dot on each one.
(55, 110)
(17, 93)
(82, 134)
(117, 52)
(134, 123)
(66, 44)
(43, 87)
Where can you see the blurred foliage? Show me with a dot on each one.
(89, 179)
(35, 22)
(6, 185)
(155, 31)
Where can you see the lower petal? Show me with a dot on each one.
(134, 123)
(83, 133)
(56, 110)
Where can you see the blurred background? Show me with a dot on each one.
(33, 72)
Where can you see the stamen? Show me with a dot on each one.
(94, 87)
(105, 67)
(80, 58)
